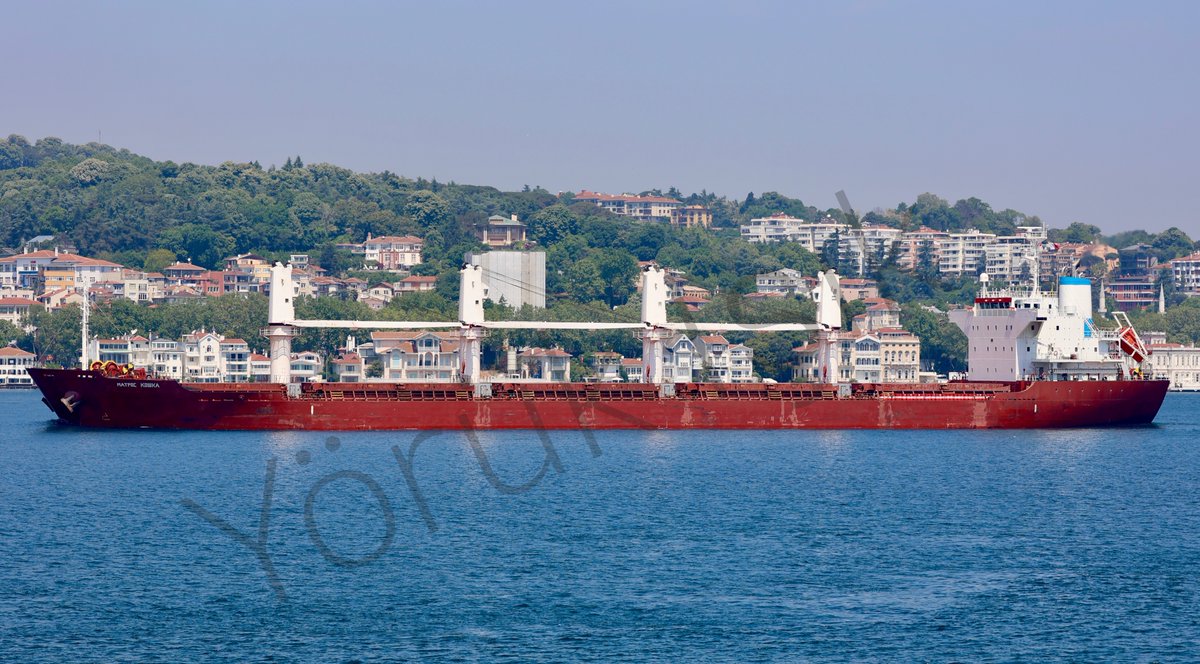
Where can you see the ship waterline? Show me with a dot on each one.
(89, 398)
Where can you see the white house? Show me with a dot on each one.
(392, 252)
(13, 365)
(418, 356)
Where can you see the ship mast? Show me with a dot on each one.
(86, 310)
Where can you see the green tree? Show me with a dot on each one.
(552, 224)
(157, 259)
(200, 244)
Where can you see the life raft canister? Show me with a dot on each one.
(1130, 345)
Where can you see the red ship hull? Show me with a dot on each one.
(90, 399)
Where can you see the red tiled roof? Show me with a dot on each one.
(409, 239)
(714, 339)
(41, 253)
(545, 352)
(586, 195)
(83, 260)
(255, 357)
(17, 301)
(185, 266)
(13, 351)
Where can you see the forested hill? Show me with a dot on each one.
(114, 204)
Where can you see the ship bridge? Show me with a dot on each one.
(1025, 334)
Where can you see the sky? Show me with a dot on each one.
(1073, 111)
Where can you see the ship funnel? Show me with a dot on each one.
(654, 297)
(281, 310)
(471, 295)
(828, 296)
(1075, 296)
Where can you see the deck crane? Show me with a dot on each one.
(283, 325)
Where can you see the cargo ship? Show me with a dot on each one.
(1036, 360)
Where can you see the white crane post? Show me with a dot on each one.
(828, 297)
(281, 313)
(654, 317)
(471, 294)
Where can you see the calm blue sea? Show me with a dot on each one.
(693, 546)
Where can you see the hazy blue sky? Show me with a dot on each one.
(1069, 110)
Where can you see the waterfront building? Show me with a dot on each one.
(888, 355)
(13, 365)
(723, 362)
(349, 368)
(425, 356)
(1177, 363)
(544, 365)
(680, 362)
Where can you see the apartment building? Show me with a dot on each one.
(723, 362)
(16, 311)
(964, 253)
(866, 246)
(784, 281)
(692, 216)
(889, 355)
(1186, 273)
(911, 245)
(853, 288)
(645, 208)
(785, 228)
(1133, 291)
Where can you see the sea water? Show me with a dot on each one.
(1079, 545)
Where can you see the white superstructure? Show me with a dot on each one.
(1022, 334)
